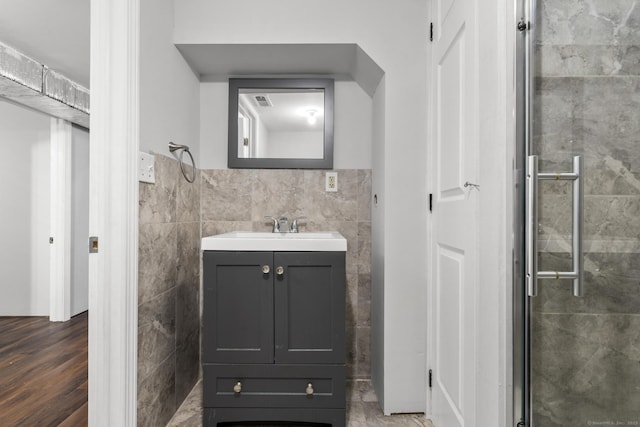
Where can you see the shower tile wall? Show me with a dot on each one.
(168, 292)
(239, 199)
(586, 357)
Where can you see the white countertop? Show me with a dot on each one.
(325, 241)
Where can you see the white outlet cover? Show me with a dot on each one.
(331, 182)
(146, 168)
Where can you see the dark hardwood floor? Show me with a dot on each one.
(43, 371)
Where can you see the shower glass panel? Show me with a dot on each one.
(584, 352)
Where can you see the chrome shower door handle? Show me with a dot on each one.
(578, 227)
(531, 226)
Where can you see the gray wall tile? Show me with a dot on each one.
(157, 259)
(611, 285)
(226, 195)
(277, 192)
(168, 292)
(364, 194)
(188, 252)
(585, 368)
(156, 395)
(156, 332)
(188, 199)
(321, 205)
(157, 202)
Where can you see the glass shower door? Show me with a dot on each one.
(583, 352)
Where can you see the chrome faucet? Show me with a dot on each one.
(276, 223)
(294, 224)
(282, 221)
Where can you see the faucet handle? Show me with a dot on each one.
(276, 223)
(294, 224)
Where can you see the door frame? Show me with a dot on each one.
(521, 395)
(60, 221)
(113, 212)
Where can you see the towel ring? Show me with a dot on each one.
(184, 149)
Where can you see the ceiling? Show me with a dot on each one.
(289, 111)
(53, 32)
(56, 33)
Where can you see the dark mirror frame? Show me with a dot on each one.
(282, 83)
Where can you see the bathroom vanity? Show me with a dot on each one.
(274, 328)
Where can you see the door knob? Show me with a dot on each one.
(266, 269)
(309, 389)
(279, 270)
(238, 387)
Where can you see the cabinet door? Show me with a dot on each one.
(310, 307)
(238, 307)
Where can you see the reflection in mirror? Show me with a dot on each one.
(281, 123)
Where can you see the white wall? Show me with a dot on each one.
(377, 242)
(394, 34)
(24, 203)
(79, 220)
(352, 125)
(293, 145)
(169, 90)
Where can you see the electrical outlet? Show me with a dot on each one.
(146, 168)
(331, 181)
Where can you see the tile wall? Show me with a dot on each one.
(168, 292)
(586, 351)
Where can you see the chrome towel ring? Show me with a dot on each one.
(184, 149)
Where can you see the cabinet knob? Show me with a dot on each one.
(309, 389)
(238, 387)
(266, 269)
(279, 270)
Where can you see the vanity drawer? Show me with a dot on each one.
(282, 386)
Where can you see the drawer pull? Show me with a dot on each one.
(238, 387)
(266, 269)
(279, 270)
(309, 389)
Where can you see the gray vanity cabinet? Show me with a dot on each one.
(238, 308)
(274, 337)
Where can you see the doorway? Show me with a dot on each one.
(577, 336)
(26, 230)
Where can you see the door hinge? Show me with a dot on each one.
(521, 424)
(430, 378)
(431, 32)
(430, 202)
(51, 240)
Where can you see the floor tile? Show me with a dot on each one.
(362, 410)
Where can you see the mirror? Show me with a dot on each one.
(281, 123)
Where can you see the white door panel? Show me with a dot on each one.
(454, 227)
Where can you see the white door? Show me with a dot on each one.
(69, 207)
(454, 87)
(79, 297)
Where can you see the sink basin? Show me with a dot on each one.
(262, 241)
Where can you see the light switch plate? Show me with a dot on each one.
(331, 182)
(146, 168)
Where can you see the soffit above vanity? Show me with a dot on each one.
(216, 62)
